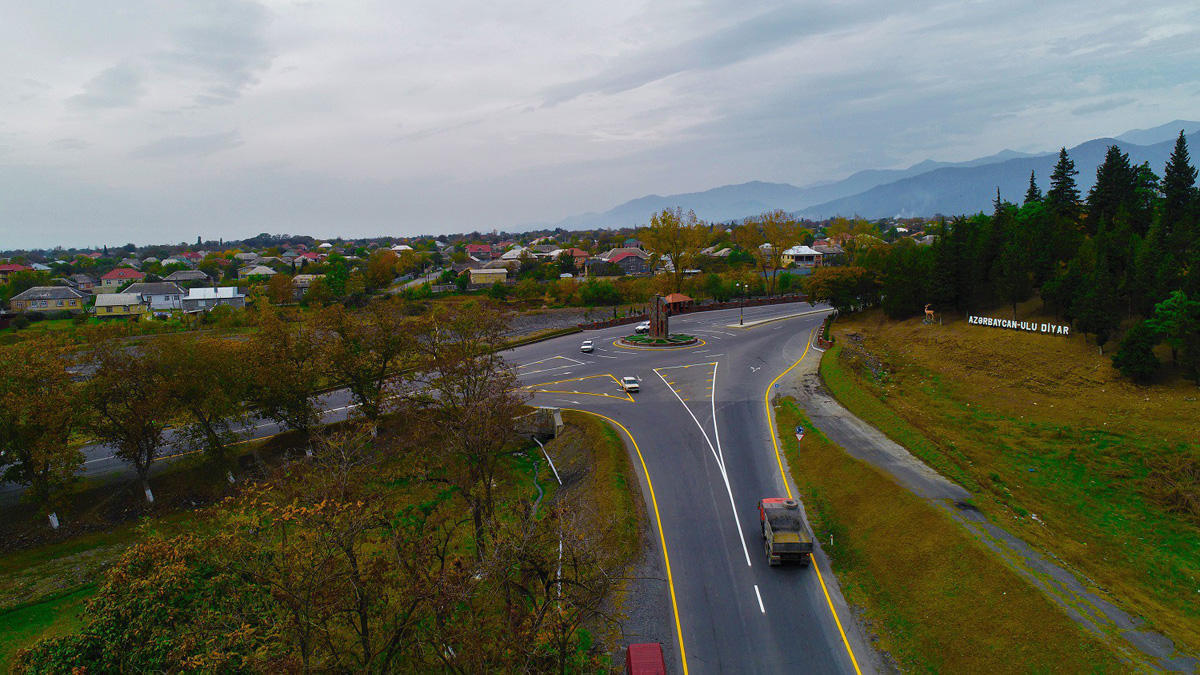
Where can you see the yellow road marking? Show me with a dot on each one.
(787, 486)
(538, 387)
(661, 537)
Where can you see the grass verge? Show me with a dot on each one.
(1064, 452)
(939, 600)
(24, 626)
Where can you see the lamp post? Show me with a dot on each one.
(742, 308)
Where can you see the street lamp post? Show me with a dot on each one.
(742, 309)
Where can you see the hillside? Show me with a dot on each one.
(1052, 443)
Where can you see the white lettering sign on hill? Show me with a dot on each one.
(1012, 324)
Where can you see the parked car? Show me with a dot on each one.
(629, 384)
(643, 327)
(587, 346)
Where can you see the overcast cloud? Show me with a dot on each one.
(151, 121)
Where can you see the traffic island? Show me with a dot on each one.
(672, 341)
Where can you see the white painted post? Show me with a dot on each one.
(229, 476)
(53, 520)
(149, 496)
(308, 451)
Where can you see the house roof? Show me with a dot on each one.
(13, 267)
(479, 248)
(81, 278)
(676, 297)
(124, 273)
(575, 252)
(618, 257)
(256, 270)
(49, 293)
(402, 247)
(491, 270)
(118, 299)
(155, 288)
(802, 250)
(612, 253)
(207, 293)
(187, 275)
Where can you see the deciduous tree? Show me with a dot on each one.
(675, 236)
(284, 360)
(39, 409)
(364, 351)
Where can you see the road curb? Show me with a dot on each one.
(752, 324)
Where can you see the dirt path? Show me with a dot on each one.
(1078, 599)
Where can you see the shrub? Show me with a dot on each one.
(21, 322)
(1135, 357)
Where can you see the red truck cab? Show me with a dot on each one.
(645, 659)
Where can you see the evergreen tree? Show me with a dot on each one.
(1013, 275)
(1175, 319)
(1179, 190)
(943, 286)
(1135, 357)
(1095, 306)
(1153, 273)
(1034, 193)
(1114, 189)
(1063, 196)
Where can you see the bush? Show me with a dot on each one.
(58, 315)
(34, 316)
(20, 322)
(1135, 357)
(498, 291)
(595, 293)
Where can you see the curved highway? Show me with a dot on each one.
(701, 428)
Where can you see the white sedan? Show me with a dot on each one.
(587, 346)
(629, 384)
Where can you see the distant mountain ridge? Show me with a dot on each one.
(923, 189)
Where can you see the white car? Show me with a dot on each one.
(587, 346)
(643, 327)
(629, 384)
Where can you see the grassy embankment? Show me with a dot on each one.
(1052, 442)
(937, 598)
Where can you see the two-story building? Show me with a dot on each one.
(161, 295)
(49, 299)
(120, 305)
(205, 298)
(116, 279)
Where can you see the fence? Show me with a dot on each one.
(707, 307)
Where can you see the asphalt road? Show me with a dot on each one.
(700, 425)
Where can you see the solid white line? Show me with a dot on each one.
(601, 356)
(760, 605)
(720, 462)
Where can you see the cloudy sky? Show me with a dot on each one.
(151, 121)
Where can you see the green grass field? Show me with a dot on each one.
(937, 598)
(1051, 442)
(27, 625)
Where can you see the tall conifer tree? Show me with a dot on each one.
(1034, 193)
(1063, 196)
(1179, 195)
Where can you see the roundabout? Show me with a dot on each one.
(673, 341)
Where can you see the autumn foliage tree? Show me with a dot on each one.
(39, 409)
(363, 351)
(676, 236)
(284, 362)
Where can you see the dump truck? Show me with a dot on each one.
(785, 538)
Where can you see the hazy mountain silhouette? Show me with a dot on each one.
(923, 189)
(961, 190)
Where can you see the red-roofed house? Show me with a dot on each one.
(677, 301)
(191, 255)
(114, 280)
(479, 251)
(7, 269)
(630, 262)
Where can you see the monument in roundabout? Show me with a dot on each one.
(659, 335)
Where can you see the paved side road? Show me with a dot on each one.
(1089, 609)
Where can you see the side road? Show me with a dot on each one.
(1085, 606)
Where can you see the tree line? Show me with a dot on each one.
(201, 388)
(419, 549)
(1124, 256)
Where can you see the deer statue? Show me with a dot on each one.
(930, 316)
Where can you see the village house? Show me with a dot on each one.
(8, 269)
(802, 256)
(186, 276)
(489, 275)
(204, 299)
(49, 299)
(116, 279)
(160, 295)
(301, 283)
(255, 271)
(81, 282)
(630, 260)
(120, 305)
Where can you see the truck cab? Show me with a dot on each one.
(785, 537)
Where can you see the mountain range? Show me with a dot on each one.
(924, 189)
